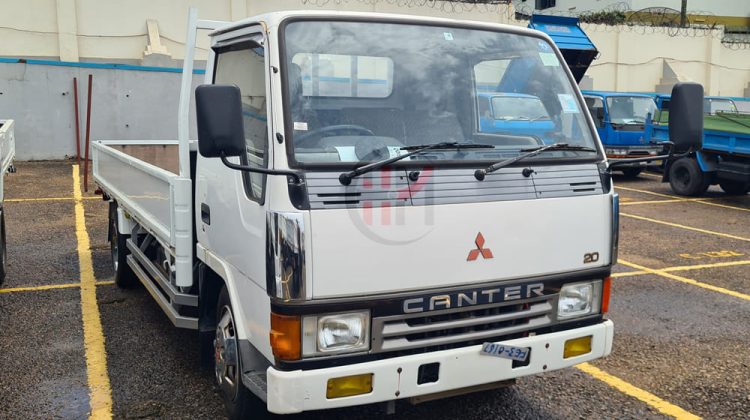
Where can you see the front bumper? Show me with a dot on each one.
(629, 152)
(297, 391)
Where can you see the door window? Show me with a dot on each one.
(244, 67)
(596, 108)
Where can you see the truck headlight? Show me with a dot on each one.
(616, 152)
(336, 333)
(579, 299)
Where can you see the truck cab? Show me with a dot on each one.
(345, 232)
(620, 120)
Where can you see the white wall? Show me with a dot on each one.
(115, 31)
(740, 8)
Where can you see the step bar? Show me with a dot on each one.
(163, 292)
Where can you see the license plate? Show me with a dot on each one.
(505, 351)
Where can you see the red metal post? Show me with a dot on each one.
(78, 128)
(88, 131)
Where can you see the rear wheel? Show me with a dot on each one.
(632, 172)
(240, 403)
(735, 187)
(124, 276)
(686, 178)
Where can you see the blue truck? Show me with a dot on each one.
(630, 126)
(724, 158)
(619, 117)
(620, 120)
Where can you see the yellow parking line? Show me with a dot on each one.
(49, 287)
(651, 175)
(24, 200)
(705, 201)
(629, 274)
(707, 286)
(710, 232)
(652, 400)
(632, 203)
(704, 266)
(617, 187)
(100, 392)
(683, 268)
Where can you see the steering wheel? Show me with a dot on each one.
(333, 129)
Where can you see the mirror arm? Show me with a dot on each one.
(295, 175)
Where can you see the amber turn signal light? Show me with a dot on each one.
(285, 336)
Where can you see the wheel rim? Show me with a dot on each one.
(115, 249)
(225, 354)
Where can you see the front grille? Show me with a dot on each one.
(461, 325)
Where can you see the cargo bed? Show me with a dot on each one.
(142, 176)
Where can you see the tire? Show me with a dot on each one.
(239, 402)
(735, 187)
(632, 172)
(124, 276)
(686, 178)
(3, 250)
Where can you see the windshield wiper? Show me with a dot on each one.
(346, 177)
(479, 174)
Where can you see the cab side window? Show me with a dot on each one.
(596, 108)
(243, 65)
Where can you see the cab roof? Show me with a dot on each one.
(273, 19)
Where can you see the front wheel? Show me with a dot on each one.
(124, 276)
(240, 403)
(735, 187)
(686, 178)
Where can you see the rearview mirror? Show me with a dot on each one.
(686, 117)
(218, 109)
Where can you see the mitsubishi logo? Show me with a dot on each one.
(474, 253)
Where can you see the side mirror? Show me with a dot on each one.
(221, 131)
(686, 117)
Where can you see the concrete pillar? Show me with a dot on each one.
(67, 28)
(713, 56)
(619, 82)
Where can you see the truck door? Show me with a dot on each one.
(232, 203)
(596, 108)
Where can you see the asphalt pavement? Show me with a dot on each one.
(680, 304)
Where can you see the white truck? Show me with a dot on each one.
(341, 233)
(7, 154)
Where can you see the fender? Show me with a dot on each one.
(258, 310)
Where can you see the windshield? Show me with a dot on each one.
(518, 108)
(630, 109)
(362, 91)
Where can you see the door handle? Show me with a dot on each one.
(205, 213)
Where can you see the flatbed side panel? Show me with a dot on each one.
(722, 141)
(7, 152)
(144, 190)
